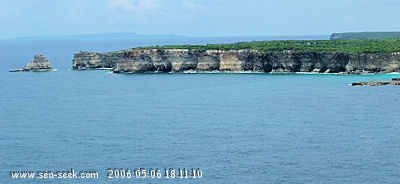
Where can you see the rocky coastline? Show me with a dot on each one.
(200, 60)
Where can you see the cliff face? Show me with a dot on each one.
(180, 60)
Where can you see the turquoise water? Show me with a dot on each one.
(237, 128)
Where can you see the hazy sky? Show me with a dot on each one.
(196, 17)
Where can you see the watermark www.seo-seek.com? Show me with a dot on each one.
(71, 174)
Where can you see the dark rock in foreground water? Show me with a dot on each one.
(394, 81)
(38, 64)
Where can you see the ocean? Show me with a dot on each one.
(219, 128)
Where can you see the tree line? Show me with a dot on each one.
(358, 46)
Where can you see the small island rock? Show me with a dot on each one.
(38, 64)
(394, 81)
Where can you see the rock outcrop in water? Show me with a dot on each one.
(394, 81)
(38, 64)
(198, 60)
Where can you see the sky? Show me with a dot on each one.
(196, 17)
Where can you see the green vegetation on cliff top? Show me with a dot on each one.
(364, 35)
(360, 46)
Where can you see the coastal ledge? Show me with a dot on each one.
(394, 81)
(38, 64)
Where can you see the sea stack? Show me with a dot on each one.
(38, 64)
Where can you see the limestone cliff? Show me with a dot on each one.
(38, 64)
(198, 60)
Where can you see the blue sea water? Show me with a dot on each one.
(237, 128)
